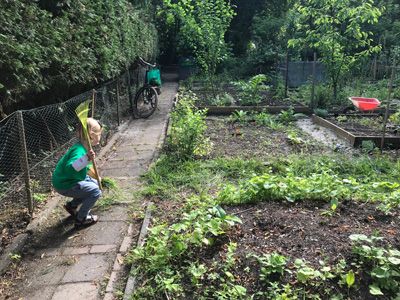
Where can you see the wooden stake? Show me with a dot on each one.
(90, 144)
(387, 107)
(96, 172)
(24, 162)
(93, 101)
(312, 102)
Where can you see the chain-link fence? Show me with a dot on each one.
(32, 141)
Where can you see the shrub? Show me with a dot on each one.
(186, 137)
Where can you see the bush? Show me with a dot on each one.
(71, 42)
(186, 137)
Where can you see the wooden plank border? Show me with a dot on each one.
(227, 110)
(356, 140)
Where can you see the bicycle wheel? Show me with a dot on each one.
(145, 102)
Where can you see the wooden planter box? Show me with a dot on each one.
(392, 142)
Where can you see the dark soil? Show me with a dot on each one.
(300, 231)
(353, 126)
(252, 141)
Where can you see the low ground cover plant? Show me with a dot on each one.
(321, 179)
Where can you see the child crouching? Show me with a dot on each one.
(71, 179)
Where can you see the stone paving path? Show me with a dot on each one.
(70, 264)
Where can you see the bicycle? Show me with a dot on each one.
(146, 98)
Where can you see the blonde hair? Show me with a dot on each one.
(93, 127)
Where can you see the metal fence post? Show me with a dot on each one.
(24, 161)
(287, 73)
(312, 102)
(129, 88)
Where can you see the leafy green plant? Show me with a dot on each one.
(323, 113)
(287, 116)
(341, 119)
(224, 99)
(272, 266)
(250, 92)
(239, 116)
(333, 206)
(15, 257)
(40, 197)
(186, 136)
(383, 264)
(265, 119)
(368, 146)
(202, 221)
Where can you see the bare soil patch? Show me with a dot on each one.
(364, 126)
(253, 141)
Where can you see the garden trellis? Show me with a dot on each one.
(32, 141)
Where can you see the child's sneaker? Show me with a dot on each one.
(70, 209)
(89, 220)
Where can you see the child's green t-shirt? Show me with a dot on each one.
(65, 176)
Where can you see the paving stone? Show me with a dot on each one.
(144, 146)
(109, 296)
(126, 243)
(117, 213)
(40, 293)
(75, 250)
(124, 171)
(77, 291)
(51, 272)
(87, 268)
(130, 230)
(111, 282)
(119, 260)
(105, 233)
(51, 252)
(145, 155)
(102, 248)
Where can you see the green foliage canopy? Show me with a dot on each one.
(75, 41)
(203, 25)
(336, 29)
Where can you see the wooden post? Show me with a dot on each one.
(24, 161)
(118, 117)
(387, 106)
(374, 67)
(287, 73)
(93, 101)
(312, 104)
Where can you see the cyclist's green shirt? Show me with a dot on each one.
(65, 176)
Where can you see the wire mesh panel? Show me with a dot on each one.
(45, 133)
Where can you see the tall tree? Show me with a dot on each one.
(335, 28)
(203, 25)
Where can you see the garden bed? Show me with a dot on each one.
(270, 214)
(357, 129)
(298, 231)
(249, 140)
(226, 101)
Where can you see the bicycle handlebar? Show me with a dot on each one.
(143, 62)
